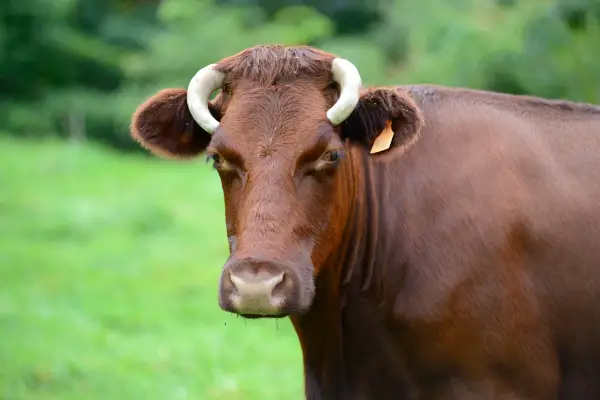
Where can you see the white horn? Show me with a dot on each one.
(202, 85)
(346, 74)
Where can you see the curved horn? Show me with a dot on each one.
(202, 85)
(346, 74)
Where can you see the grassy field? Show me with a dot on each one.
(108, 273)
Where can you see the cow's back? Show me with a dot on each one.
(499, 204)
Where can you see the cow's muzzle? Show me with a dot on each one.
(257, 288)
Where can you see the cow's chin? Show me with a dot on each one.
(260, 316)
(278, 315)
(284, 312)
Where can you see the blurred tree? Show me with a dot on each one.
(559, 60)
(60, 60)
(348, 16)
(578, 13)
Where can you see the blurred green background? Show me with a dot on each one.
(109, 258)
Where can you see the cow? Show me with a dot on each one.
(426, 242)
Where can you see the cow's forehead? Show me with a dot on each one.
(276, 118)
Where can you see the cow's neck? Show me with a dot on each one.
(345, 330)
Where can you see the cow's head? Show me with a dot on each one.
(279, 134)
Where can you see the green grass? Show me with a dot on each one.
(108, 271)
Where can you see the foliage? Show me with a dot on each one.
(82, 66)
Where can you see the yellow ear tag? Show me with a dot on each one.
(384, 140)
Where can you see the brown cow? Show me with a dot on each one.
(463, 262)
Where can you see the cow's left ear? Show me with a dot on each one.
(383, 119)
(164, 125)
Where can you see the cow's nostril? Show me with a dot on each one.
(282, 287)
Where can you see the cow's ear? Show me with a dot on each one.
(163, 124)
(383, 119)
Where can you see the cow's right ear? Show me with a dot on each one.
(383, 119)
(164, 125)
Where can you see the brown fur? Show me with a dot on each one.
(271, 65)
(460, 264)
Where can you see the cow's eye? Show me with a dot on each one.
(332, 156)
(328, 161)
(215, 158)
(218, 162)
(224, 161)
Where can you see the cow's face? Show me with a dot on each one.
(283, 166)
